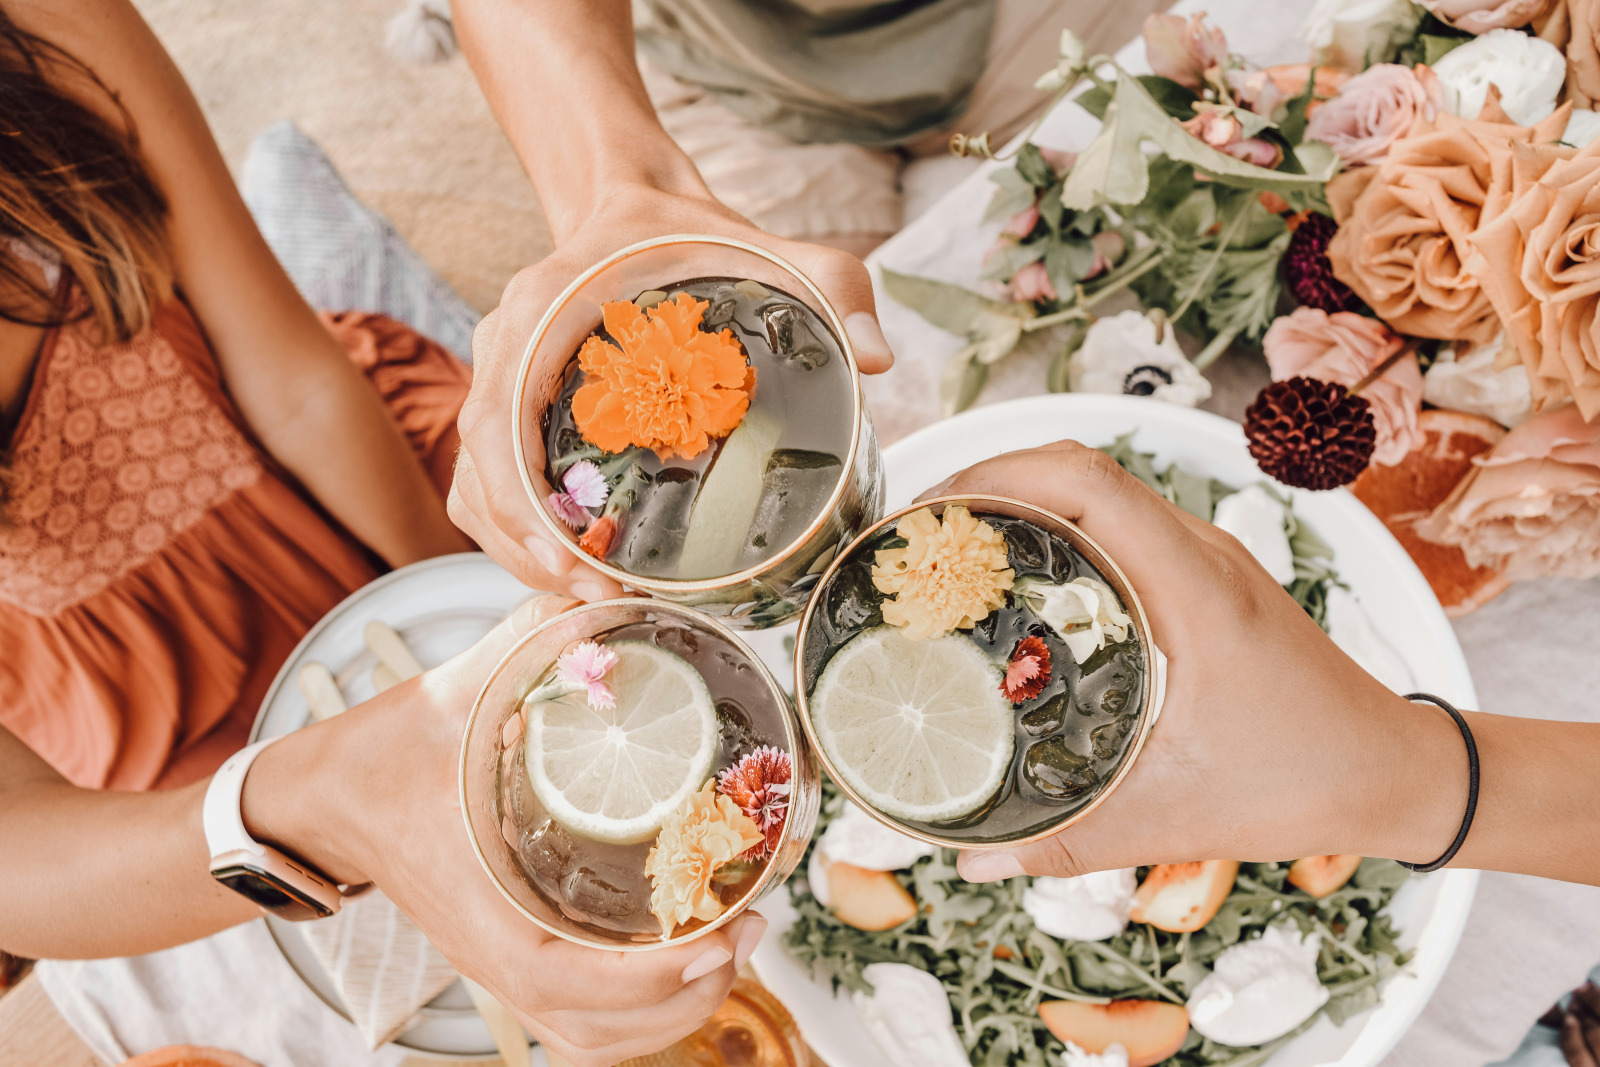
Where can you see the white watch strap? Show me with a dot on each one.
(222, 814)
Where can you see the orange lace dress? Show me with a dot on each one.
(156, 566)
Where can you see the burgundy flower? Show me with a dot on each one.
(1308, 272)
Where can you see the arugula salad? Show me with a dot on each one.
(1013, 989)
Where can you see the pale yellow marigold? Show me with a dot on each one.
(949, 575)
(705, 833)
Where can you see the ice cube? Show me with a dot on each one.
(1108, 738)
(794, 486)
(652, 535)
(1029, 547)
(548, 852)
(791, 337)
(720, 314)
(606, 892)
(853, 602)
(1055, 771)
(1048, 717)
(735, 729)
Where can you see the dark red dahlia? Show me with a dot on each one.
(1027, 672)
(1308, 272)
(759, 784)
(1311, 434)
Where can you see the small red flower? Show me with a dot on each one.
(598, 539)
(1028, 671)
(759, 784)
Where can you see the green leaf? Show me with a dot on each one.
(995, 340)
(1011, 256)
(963, 379)
(1113, 168)
(1095, 101)
(1058, 379)
(1013, 193)
(1066, 264)
(1297, 110)
(1176, 100)
(949, 307)
(1032, 167)
(1436, 48)
(1052, 210)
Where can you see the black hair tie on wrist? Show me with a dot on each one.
(1472, 786)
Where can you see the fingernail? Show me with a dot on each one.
(755, 924)
(989, 866)
(588, 591)
(710, 961)
(549, 557)
(866, 335)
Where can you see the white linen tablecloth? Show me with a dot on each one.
(1531, 651)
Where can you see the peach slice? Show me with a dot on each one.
(1150, 1030)
(1180, 897)
(867, 900)
(189, 1056)
(1321, 875)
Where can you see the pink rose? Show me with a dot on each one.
(1256, 90)
(1183, 49)
(1374, 109)
(1022, 223)
(1343, 347)
(1481, 16)
(1031, 283)
(1059, 161)
(1223, 132)
(1532, 503)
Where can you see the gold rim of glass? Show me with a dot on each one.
(675, 585)
(800, 754)
(1080, 541)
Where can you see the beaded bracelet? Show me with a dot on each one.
(1472, 786)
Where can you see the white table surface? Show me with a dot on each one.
(1531, 650)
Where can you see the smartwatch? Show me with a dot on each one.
(278, 884)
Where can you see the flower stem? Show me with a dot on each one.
(1223, 241)
(1115, 282)
(1214, 348)
(1031, 980)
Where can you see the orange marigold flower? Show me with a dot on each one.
(671, 387)
(599, 538)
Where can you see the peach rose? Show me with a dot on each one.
(1574, 27)
(1183, 49)
(1342, 348)
(1481, 16)
(1404, 225)
(1374, 110)
(1532, 505)
(1539, 263)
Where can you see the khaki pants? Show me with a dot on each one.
(817, 190)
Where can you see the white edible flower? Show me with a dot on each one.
(1259, 990)
(1120, 354)
(1082, 612)
(1113, 1056)
(1527, 71)
(1344, 33)
(1352, 629)
(1470, 383)
(860, 840)
(1256, 518)
(908, 1016)
(1091, 907)
(1582, 128)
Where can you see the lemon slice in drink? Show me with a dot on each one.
(919, 729)
(615, 775)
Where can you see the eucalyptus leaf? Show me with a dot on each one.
(950, 307)
(963, 378)
(1013, 193)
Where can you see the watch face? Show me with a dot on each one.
(271, 893)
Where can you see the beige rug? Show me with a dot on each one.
(416, 142)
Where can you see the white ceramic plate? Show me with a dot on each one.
(1429, 911)
(441, 607)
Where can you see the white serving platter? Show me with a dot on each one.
(1430, 911)
(440, 607)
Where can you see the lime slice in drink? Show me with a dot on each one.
(919, 729)
(615, 775)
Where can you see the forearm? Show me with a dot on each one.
(562, 79)
(331, 431)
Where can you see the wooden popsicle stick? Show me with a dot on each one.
(391, 648)
(383, 678)
(509, 1037)
(321, 691)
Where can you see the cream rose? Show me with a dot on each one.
(1374, 109)
(1539, 263)
(1342, 348)
(1343, 33)
(1532, 504)
(1481, 16)
(1528, 73)
(1120, 354)
(1472, 383)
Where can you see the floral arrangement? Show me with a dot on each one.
(1406, 225)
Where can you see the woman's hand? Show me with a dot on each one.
(487, 499)
(1272, 744)
(392, 815)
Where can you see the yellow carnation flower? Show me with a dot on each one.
(949, 575)
(705, 833)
